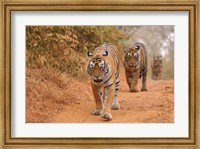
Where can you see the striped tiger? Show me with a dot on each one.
(103, 68)
(156, 67)
(135, 64)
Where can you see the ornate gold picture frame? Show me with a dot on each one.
(7, 7)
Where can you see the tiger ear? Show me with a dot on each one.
(137, 47)
(126, 49)
(106, 53)
(89, 53)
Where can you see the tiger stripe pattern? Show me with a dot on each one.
(135, 64)
(103, 68)
(156, 67)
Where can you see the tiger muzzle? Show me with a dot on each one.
(97, 79)
(133, 64)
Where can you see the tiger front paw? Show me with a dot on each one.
(115, 106)
(144, 89)
(97, 112)
(133, 90)
(106, 116)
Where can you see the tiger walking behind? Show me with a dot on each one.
(135, 64)
(103, 69)
(156, 67)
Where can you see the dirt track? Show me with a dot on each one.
(154, 106)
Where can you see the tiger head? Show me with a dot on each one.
(98, 67)
(132, 56)
(157, 62)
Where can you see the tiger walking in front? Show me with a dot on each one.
(103, 68)
(135, 64)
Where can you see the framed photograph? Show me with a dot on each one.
(101, 74)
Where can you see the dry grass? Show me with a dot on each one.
(48, 91)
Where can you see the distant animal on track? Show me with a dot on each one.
(156, 67)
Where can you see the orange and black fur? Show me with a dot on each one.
(156, 67)
(135, 64)
(103, 69)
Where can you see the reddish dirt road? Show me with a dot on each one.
(154, 106)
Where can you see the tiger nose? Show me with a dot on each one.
(97, 77)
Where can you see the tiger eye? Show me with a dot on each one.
(101, 64)
(136, 55)
(129, 54)
(92, 64)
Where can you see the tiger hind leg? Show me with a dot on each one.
(144, 80)
(159, 76)
(115, 104)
